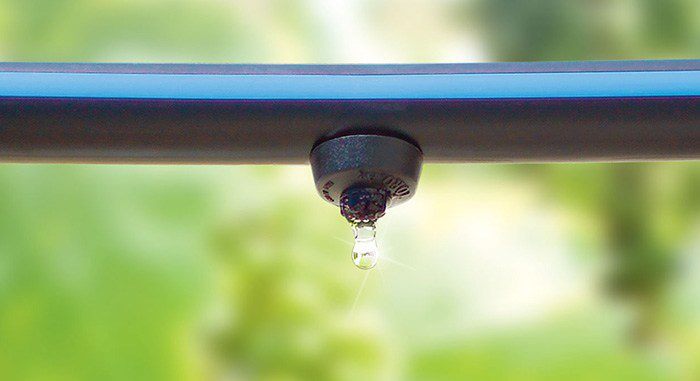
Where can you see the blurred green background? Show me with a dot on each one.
(492, 272)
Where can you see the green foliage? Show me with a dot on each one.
(581, 349)
(88, 289)
(287, 307)
(644, 231)
(86, 30)
(542, 30)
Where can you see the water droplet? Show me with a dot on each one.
(365, 252)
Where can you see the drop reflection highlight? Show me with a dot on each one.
(365, 253)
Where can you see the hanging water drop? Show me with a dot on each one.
(365, 252)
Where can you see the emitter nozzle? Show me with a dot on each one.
(364, 175)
